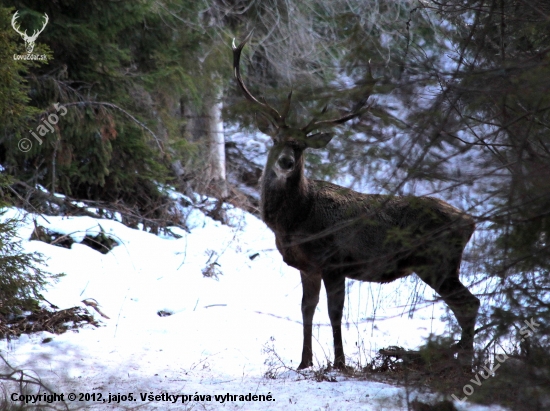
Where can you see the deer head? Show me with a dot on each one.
(29, 40)
(290, 142)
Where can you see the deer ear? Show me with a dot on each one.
(318, 140)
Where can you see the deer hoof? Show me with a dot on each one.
(463, 346)
(340, 364)
(342, 367)
(305, 364)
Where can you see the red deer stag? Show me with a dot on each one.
(330, 232)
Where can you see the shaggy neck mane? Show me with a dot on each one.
(285, 203)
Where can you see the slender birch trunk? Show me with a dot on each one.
(217, 144)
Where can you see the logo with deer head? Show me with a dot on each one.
(29, 40)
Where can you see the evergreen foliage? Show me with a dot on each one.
(117, 70)
(21, 278)
(15, 110)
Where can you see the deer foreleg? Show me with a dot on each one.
(336, 293)
(311, 286)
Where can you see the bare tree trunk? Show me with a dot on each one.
(217, 145)
(204, 125)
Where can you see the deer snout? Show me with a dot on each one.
(285, 163)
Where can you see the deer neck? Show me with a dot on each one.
(285, 203)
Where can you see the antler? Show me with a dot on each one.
(16, 28)
(355, 112)
(24, 34)
(36, 33)
(278, 118)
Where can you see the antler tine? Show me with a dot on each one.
(309, 126)
(355, 112)
(37, 32)
(13, 22)
(277, 118)
(286, 108)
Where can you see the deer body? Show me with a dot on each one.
(340, 228)
(330, 232)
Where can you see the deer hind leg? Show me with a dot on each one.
(335, 286)
(311, 286)
(460, 300)
(465, 307)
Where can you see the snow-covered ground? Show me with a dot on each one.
(237, 332)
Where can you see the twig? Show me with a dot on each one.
(27, 201)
